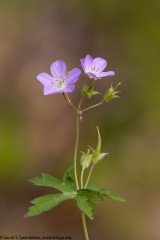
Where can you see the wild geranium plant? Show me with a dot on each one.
(73, 186)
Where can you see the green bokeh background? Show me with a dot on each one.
(37, 132)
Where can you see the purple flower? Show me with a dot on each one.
(94, 67)
(60, 81)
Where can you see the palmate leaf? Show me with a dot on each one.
(47, 202)
(85, 206)
(105, 192)
(84, 198)
(90, 194)
(94, 187)
(68, 173)
(113, 196)
(50, 181)
(67, 178)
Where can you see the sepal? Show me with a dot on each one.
(111, 94)
(88, 91)
(86, 159)
(97, 155)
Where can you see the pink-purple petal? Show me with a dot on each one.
(105, 74)
(73, 75)
(69, 88)
(99, 64)
(91, 75)
(82, 63)
(88, 62)
(45, 79)
(58, 69)
(48, 91)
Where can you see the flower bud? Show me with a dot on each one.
(111, 93)
(88, 91)
(86, 159)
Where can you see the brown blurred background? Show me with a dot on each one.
(37, 132)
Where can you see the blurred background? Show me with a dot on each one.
(37, 132)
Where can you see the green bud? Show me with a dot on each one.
(86, 159)
(97, 155)
(111, 93)
(88, 91)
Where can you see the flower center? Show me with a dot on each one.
(93, 69)
(60, 83)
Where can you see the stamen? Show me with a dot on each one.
(60, 83)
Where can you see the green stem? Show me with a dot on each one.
(82, 172)
(96, 105)
(84, 226)
(89, 175)
(75, 152)
(80, 103)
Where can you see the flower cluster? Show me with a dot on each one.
(62, 81)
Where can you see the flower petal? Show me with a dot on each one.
(105, 74)
(58, 69)
(88, 62)
(100, 64)
(48, 91)
(69, 88)
(91, 75)
(73, 76)
(82, 63)
(45, 79)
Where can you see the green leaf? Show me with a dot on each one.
(50, 181)
(47, 202)
(105, 192)
(113, 196)
(94, 187)
(68, 173)
(70, 183)
(90, 194)
(85, 206)
(67, 179)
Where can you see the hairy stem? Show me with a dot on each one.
(96, 105)
(84, 226)
(75, 152)
(82, 172)
(89, 175)
(68, 100)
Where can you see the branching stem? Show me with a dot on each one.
(68, 100)
(96, 105)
